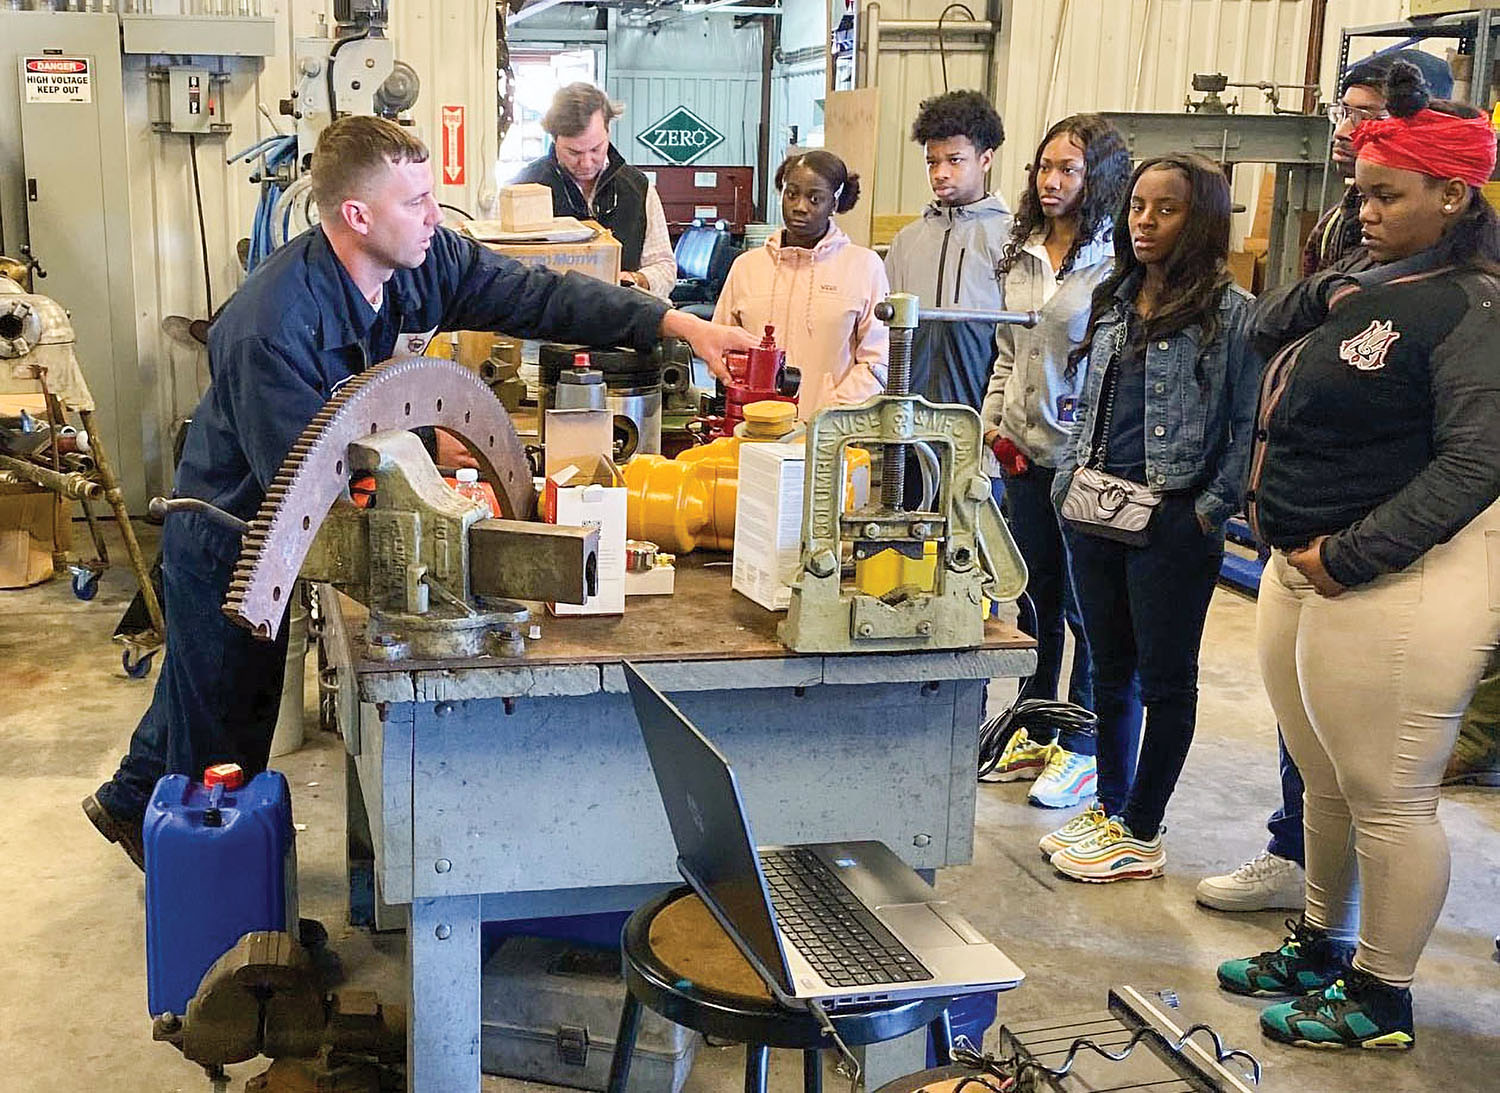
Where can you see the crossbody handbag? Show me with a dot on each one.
(1102, 504)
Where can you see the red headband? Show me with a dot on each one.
(1430, 143)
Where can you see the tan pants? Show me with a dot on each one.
(1369, 688)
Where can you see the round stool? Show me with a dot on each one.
(679, 962)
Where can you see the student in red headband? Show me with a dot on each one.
(1375, 478)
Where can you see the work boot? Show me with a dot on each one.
(125, 832)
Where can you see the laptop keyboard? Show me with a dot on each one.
(837, 934)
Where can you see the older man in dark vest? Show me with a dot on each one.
(589, 179)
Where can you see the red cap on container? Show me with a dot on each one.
(580, 360)
(229, 774)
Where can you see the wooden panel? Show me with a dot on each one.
(848, 122)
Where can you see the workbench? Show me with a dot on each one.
(490, 789)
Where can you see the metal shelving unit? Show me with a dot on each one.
(1476, 32)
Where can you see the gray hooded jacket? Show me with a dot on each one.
(947, 258)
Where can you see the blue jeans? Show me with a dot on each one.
(1034, 523)
(1285, 824)
(1144, 609)
(219, 690)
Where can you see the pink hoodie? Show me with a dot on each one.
(822, 303)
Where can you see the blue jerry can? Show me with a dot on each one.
(221, 862)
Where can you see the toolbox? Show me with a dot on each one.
(549, 1012)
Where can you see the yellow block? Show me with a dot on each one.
(890, 570)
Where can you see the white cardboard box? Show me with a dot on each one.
(592, 494)
(768, 523)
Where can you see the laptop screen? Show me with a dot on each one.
(708, 821)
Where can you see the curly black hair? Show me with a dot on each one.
(1106, 168)
(1197, 270)
(1474, 239)
(959, 114)
(831, 169)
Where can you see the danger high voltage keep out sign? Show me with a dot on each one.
(58, 79)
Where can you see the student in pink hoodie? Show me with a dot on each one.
(815, 287)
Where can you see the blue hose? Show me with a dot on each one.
(274, 153)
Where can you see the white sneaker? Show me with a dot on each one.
(1264, 883)
(1068, 780)
(1083, 826)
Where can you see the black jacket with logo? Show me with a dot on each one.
(1379, 419)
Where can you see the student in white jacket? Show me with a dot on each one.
(1059, 251)
(815, 287)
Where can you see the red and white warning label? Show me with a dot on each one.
(58, 79)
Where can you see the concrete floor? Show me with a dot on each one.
(72, 1009)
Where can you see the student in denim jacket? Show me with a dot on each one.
(1168, 338)
(1059, 251)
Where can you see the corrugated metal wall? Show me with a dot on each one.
(702, 63)
(451, 45)
(798, 82)
(1116, 55)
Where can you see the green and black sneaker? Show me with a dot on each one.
(1308, 960)
(1356, 1011)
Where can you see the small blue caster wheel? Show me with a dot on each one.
(138, 668)
(85, 584)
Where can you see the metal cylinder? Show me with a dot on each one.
(76, 487)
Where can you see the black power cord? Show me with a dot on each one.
(942, 45)
(1042, 718)
(208, 286)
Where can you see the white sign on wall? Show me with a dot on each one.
(58, 79)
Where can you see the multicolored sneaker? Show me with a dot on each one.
(1083, 826)
(1022, 760)
(1308, 960)
(1112, 853)
(1068, 780)
(1355, 1011)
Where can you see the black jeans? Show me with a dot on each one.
(219, 690)
(1144, 609)
(1038, 533)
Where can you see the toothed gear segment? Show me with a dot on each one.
(401, 393)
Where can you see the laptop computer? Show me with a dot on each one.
(839, 924)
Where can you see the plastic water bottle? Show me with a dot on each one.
(468, 486)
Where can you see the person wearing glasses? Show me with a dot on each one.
(1274, 879)
(1361, 98)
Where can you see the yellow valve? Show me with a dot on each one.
(685, 503)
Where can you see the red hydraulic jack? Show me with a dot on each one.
(755, 375)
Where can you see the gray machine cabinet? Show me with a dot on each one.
(64, 191)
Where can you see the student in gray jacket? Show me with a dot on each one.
(1060, 249)
(948, 256)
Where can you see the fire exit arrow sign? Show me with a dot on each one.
(680, 137)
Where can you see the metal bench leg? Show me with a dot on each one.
(941, 1032)
(812, 1072)
(757, 1056)
(619, 1066)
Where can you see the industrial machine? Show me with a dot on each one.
(919, 573)
(440, 578)
(1296, 144)
(633, 391)
(353, 72)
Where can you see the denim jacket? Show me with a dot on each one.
(1198, 435)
